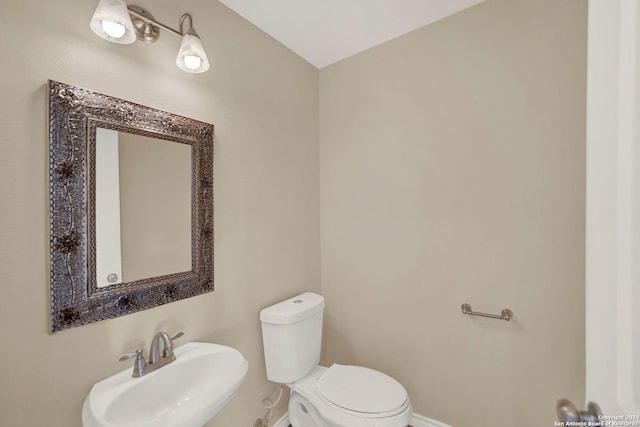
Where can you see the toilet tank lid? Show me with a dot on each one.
(293, 310)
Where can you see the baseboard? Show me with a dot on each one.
(416, 421)
(283, 421)
(420, 421)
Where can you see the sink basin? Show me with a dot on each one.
(184, 393)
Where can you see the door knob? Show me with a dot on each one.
(567, 412)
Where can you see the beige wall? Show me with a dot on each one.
(262, 100)
(452, 170)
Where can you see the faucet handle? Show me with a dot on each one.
(176, 336)
(138, 365)
(137, 353)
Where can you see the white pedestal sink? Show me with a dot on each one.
(185, 393)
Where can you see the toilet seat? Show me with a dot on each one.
(334, 414)
(361, 390)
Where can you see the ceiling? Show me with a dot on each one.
(326, 31)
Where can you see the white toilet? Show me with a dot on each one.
(339, 396)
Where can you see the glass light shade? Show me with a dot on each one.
(112, 22)
(191, 56)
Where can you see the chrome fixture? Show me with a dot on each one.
(506, 314)
(116, 22)
(154, 352)
(568, 414)
(156, 360)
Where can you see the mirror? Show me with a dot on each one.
(131, 206)
(142, 185)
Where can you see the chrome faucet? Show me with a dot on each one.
(154, 352)
(156, 360)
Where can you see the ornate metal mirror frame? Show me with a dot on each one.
(74, 115)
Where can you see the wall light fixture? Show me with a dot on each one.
(116, 22)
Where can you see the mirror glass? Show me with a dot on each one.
(143, 207)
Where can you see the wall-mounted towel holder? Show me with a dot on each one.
(505, 315)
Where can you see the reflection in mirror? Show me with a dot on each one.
(143, 207)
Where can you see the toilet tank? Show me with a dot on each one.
(292, 336)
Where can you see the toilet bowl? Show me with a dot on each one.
(351, 396)
(337, 396)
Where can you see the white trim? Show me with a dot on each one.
(613, 206)
(422, 421)
(416, 421)
(283, 421)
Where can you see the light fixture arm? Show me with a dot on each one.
(190, 30)
(158, 24)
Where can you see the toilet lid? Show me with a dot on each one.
(361, 389)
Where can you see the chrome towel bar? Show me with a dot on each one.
(505, 315)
